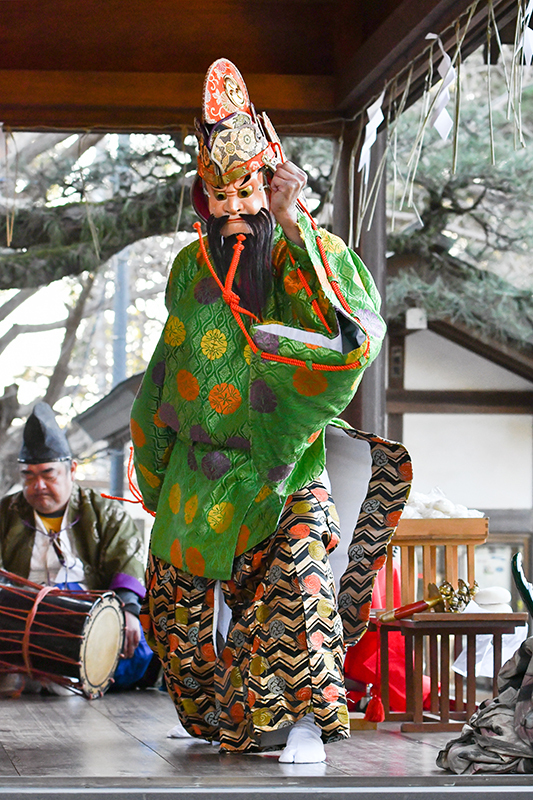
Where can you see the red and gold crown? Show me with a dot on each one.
(233, 140)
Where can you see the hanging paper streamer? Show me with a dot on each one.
(527, 40)
(440, 118)
(375, 118)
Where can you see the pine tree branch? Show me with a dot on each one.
(51, 242)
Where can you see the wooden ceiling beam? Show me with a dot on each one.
(135, 100)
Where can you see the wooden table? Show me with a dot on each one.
(434, 631)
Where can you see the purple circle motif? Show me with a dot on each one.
(167, 414)
(268, 342)
(207, 291)
(158, 373)
(278, 474)
(371, 322)
(199, 435)
(238, 443)
(215, 465)
(262, 398)
(191, 459)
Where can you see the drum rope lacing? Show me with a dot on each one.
(27, 628)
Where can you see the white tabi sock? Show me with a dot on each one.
(304, 745)
(178, 732)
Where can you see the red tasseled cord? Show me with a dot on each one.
(374, 711)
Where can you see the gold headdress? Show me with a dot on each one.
(233, 140)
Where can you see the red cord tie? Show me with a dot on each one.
(132, 487)
(236, 310)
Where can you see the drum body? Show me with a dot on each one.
(50, 634)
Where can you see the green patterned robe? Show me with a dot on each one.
(222, 435)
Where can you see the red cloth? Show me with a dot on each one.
(361, 659)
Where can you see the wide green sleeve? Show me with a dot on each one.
(152, 436)
(309, 361)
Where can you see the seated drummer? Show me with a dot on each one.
(54, 532)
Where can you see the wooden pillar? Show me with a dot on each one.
(367, 411)
(396, 359)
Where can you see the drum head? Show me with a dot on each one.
(102, 640)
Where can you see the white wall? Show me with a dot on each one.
(432, 362)
(480, 460)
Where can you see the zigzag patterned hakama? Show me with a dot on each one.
(283, 656)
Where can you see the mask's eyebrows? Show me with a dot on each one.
(244, 180)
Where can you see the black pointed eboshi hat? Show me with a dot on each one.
(42, 439)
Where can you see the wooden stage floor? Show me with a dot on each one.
(116, 747)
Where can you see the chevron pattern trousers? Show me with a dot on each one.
(283, 656)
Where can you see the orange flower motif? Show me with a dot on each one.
(227, 658)
(331, 694)
(137, 434)
(175, 554)
(333, 542)
(393, 518)
(237, 712)
(174, 331)
(187, 384)
(251, 698)
(158, 421)
(190, 508)
(406, 471)
(144, 619)
(364, 612)
(320, 494)
(312, 584)
(242, 541)
(300, 531)
(317, 640)
(256, 560)
(279, 255)
(174, 498)
(309, 382)
(195, 561)
(304, 693)
(224, 398)
(208, 652)
(151, 479)
(292, 282)
(379, 562)
(214, 344)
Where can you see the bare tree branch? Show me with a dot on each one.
(17, 330)
(61, 369)
(14, 302)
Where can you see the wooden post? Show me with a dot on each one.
(368, 408)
